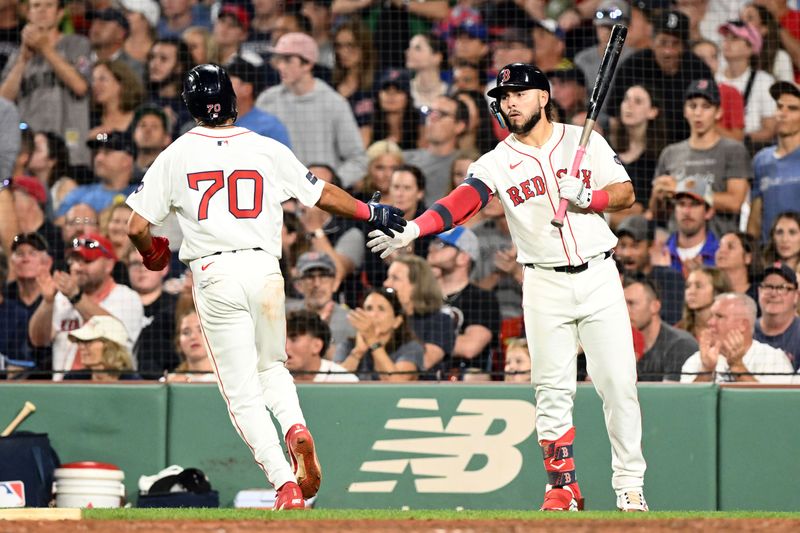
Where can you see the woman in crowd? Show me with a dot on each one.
(478, 135)
(200, 43)
(385, 348)
(518, 362)
(142, 31)
(116, 92)
(114, 225)
(102, 351)
(354, 72)
(395, 119)
(784, 240)
(411, 277)
(383, 158)
(738, 258)
(294, 243)
(49, 162)
(772, 58)
(407, 191)
(425, 56)
(195, 364)
(702, 286)
(639, 140)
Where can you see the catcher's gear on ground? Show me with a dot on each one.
(208, 94)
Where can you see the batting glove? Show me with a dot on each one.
(157, 257)
(574, 190)
(386, 218)
(387, 244)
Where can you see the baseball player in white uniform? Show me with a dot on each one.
(572, 294)
(226, 185)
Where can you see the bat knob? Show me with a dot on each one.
(557, 223)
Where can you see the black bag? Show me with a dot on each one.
(29, 458)
(193, 488)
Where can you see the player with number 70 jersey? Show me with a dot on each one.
(226, 185)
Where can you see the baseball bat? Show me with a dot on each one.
(599, 92)
(26, 410)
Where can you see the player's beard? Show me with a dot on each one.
(527, 126)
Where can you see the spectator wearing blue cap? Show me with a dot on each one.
(549, 46)
(475, 312)
(108, 31)
(470, 43)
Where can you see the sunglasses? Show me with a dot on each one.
(90, 244)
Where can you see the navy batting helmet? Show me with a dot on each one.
(519, 76)
(208, 93)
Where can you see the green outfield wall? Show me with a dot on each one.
(440, 445)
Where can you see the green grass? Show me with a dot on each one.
(390, 514)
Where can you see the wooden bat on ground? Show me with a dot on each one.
(26, 410)
(601, 85)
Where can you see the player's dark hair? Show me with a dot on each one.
(415, 171)
(306, 322)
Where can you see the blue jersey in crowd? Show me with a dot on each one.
(265, 124)
(777, 182)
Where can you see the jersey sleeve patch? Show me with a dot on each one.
(312, 178)
(617, 160)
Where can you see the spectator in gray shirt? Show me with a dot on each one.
(321, 125)
(9, 137)
(445, 121)
(666, 348)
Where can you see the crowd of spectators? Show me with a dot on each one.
(389, 97)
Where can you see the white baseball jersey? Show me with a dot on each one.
(226, 185)
(526, 180)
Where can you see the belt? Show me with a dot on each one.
(232, 252)
(571, 269)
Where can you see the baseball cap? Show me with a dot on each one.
(551, 26)
(705, 88)
(568, 74)
(297, 44)
(238, 12)
(315, 260)
(610, 12)
(784, 87)
(91, 247)
(36, 240)
(464, 239)
(115, 140)
(699, 189)
(673, 22)
(31, 186)
(783, 270)
(101, 327)
(395, 78)
(472, 28)
(512, 34)
(245, 71)
(149, 9)
(743, 30)
(150, 109)
(112, 15)
(635, 226)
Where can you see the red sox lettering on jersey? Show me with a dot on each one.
(535, 186)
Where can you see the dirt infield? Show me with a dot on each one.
(404, 526)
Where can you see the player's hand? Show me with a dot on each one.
(386, 218)
(157, 257)
(574, 190)
(387, 244)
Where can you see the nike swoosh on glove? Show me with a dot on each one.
(574, 190)
(387, 244)
(386, 218)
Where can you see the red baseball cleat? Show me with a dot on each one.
(305, 464)
(289, 497)
(566, 498)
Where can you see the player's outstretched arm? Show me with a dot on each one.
(155, 250)
(385, 218)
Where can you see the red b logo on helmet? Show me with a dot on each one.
(505, 75)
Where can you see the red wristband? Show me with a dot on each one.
(362, 211)
(599, 201)
(429, 222)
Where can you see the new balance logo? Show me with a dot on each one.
(444, 462)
